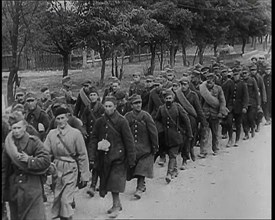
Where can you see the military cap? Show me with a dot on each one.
(237, 62)
(86, 82)
(224, 70)
(169, 70)
(229, 72)
(66, 81)
(216, 66)
(163, 74)
(158, 80)
(168, 92)
(15, 117)
(135, 98)
(198, 66)
(253, 67)
(44, 89)
(21, 90)
(253, 58)
(60, 110)
(175, 81)
(111, 99)
(184, 79)
(186, 74)
(18, 107)
(205, 69)
(237, 69)
(245, 69)
(120, 94)
(93, 90)
(31, 95)
(149, 78)
(136, 74)
(196, 73)
(208, 75)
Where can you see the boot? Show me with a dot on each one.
(202, 155)
(116, 208)
(73, 204)
(183, 165)
(246, 137)
(162, 160)
(192, 154)
(257, 128)
(91, 191)
(236, 143)
(253, 132)
(168, 178)
(229, 143)
(224, 136)
(140, 187)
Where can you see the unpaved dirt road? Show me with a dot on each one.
(236, 183)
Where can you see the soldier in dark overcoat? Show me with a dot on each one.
(35, 116)
(137, 86)
(146, 143)
(25, 161)
(227, 87)
(91, 113)
(173, 118)
(262, 93)
(193, 99)
(155, 101)
(253, 103)
(149, 85)
(112, 150)
(237, 107)
(267, 77)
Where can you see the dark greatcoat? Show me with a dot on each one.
(79, 106)
(173, 133)
(261, 86)
(228, 87)
(253, 94)
(38, 116)
(23, 191)
(112, 165)
(146, 139)
(240, 97)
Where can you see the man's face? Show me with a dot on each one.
(224, 74)
(115, 86)
(210, 81)
(86, 87)
(149, 83)
(20, 97)
(31, 103)
(136, 78)
(137, 105)
(261, 59)
(170, 76)
(169, 98)
(253, 72)
(236, 76)
(46, 95)
(61, 120)
(194, 79)
(245, 74)
(254, 61)
(93, 97)
(175, 87)
(18, 129)
(110, 107)
(184, 86)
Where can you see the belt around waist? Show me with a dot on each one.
(66, 159)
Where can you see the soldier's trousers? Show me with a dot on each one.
(238, 123)
(214, 128)
(172, 164)
(162, 146)
(249, 119)
(204, 134)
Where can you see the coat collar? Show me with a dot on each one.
(64, 131)
(22, 142)
(35, 112)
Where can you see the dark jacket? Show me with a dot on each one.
(228, 87)
(145, 136)
(123, 108)
(38, 116)
(89, 116)
(112, 165)
(136, 88)
(79, 106)
(253, 92)
(175, 125)
(22, 188)
(240, 97)
(261, 87)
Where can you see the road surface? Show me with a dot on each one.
(236, 183)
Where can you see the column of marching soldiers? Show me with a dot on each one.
(119, 136)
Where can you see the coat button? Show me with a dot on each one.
(20, 181)
(21, 174)
(167, 126)
(135, 140)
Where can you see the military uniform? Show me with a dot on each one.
(21, 189)
(136, 88)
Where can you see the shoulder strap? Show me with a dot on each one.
(111, 125)
(66, 147)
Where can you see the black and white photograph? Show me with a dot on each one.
(136, 109)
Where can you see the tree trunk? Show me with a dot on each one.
(252, 41)
(172, 55)
(153, 57)
(200, 54)
(102, 72)
(184, 59)
(84, 58)
(161, 57)
(243, 45)
(195, 56)
(122, 66)
(113, 72)
(131, 57)
(65, 64)
(116, 66)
